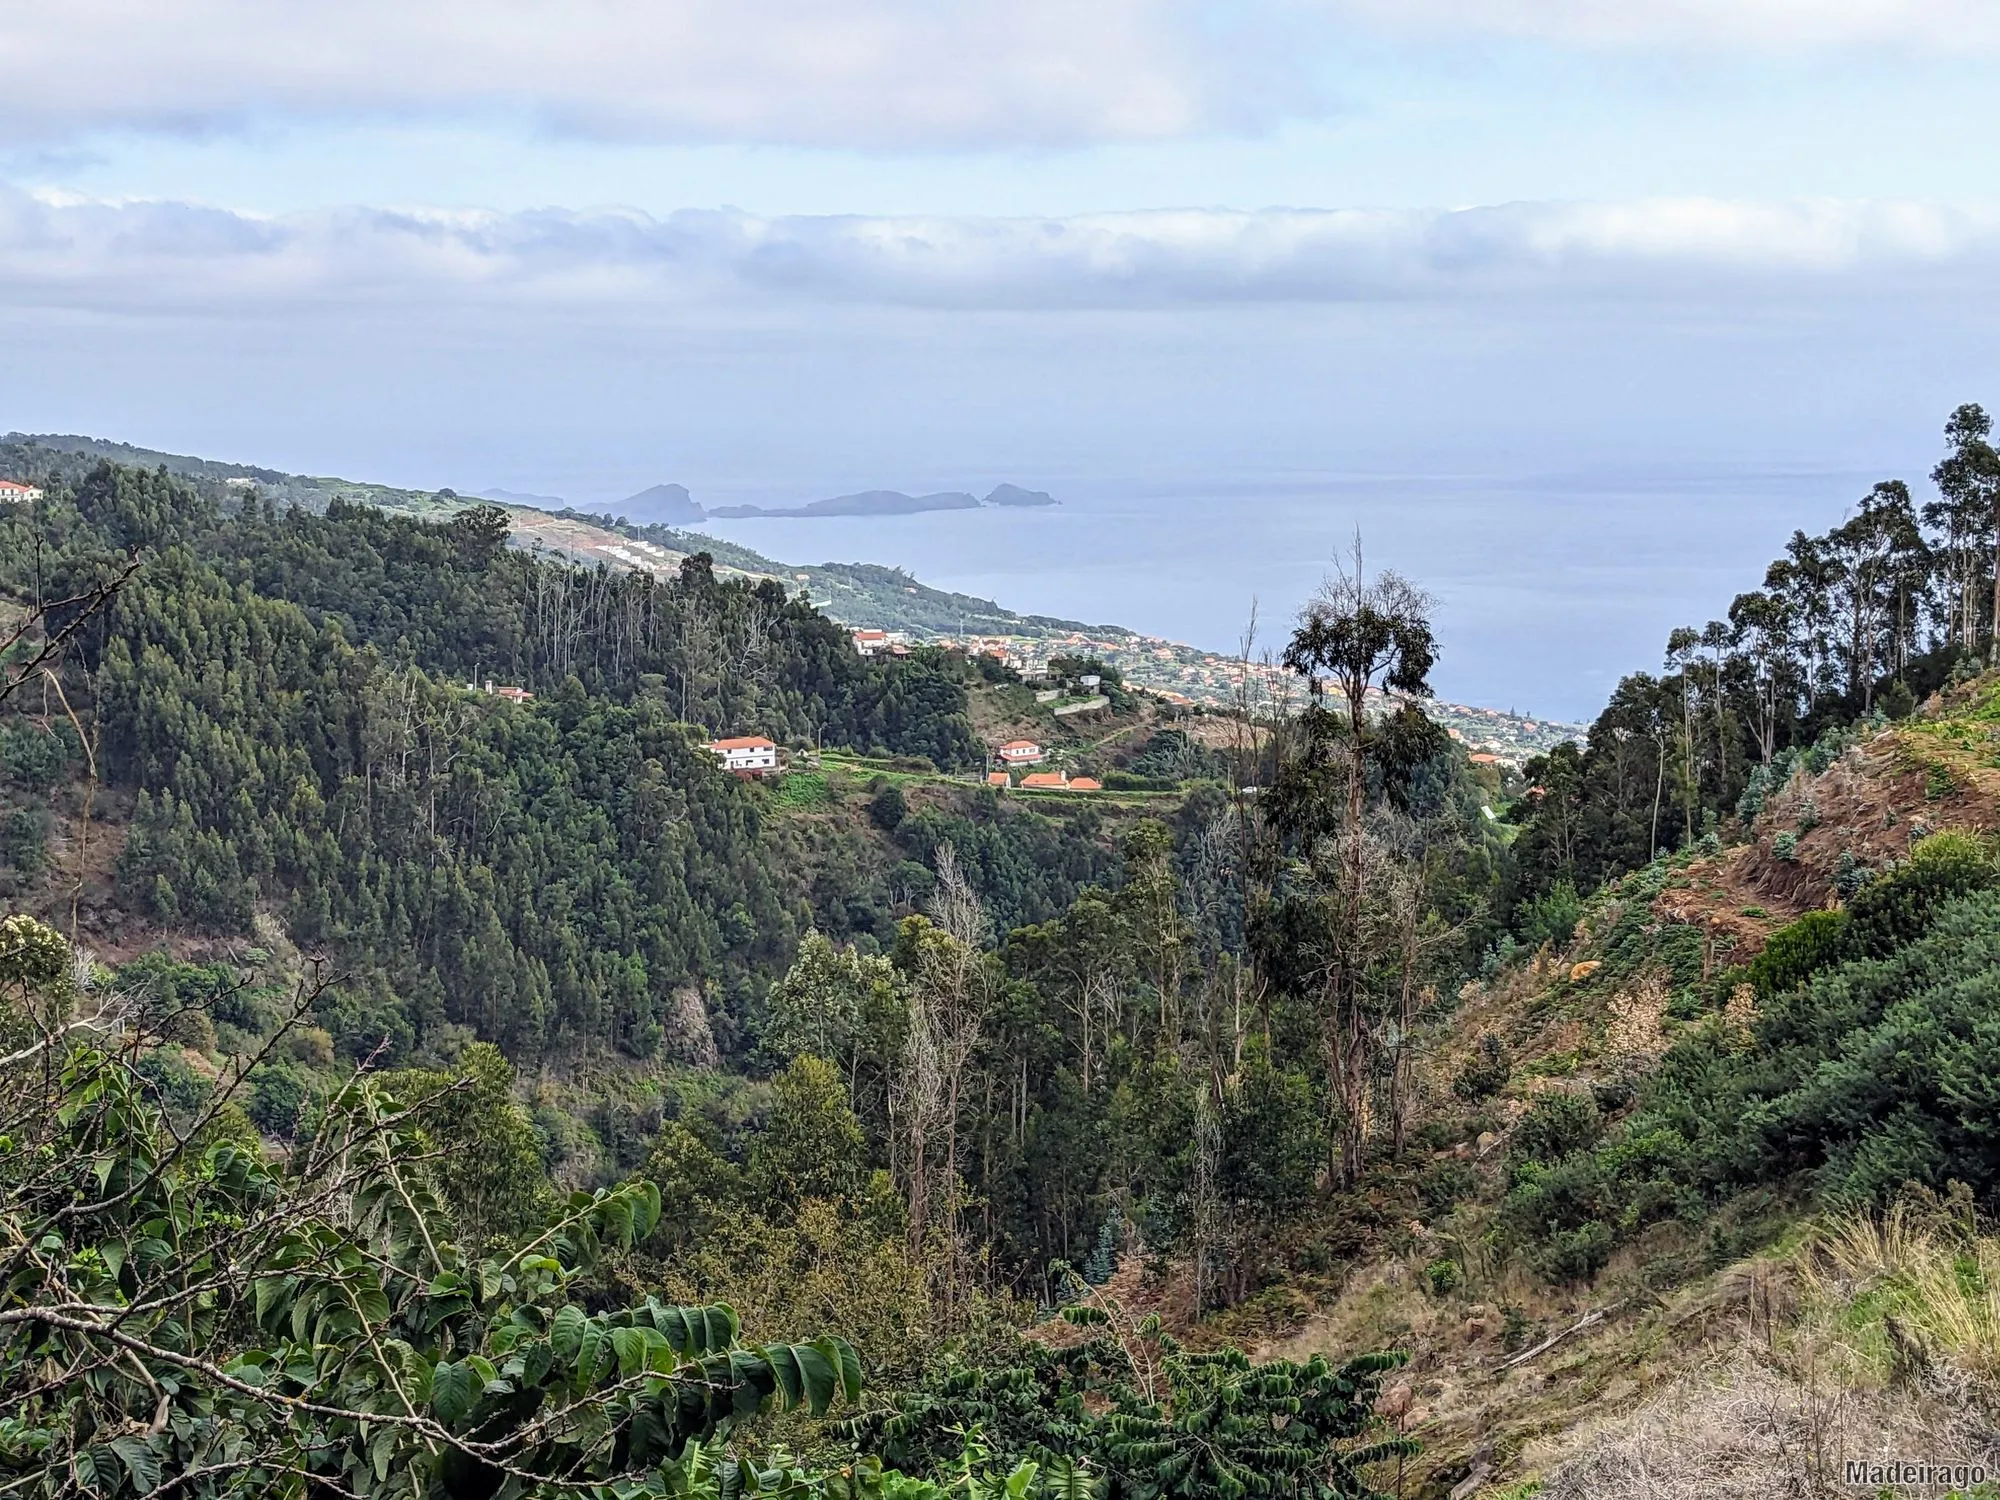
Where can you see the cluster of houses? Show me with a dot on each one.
(753, 757)
(881, 642)
(1019, 754)
(1046, 781)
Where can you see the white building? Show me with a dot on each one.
(747, 755)
(1020, 753)
(13, 492)
(869, 642)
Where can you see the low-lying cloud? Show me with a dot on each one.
(878, 74)
(156, 255)
(869, 73)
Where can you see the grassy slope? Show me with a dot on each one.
(1684, 1337)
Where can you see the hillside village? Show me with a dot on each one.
(1178, 674)
(886, 608)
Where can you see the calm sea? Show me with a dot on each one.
(1549, 588)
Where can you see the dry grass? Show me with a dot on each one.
(1885, 1345)
(1754, 1431)
(1909, 1290)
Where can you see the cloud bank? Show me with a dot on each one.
(870, 73)
(161, 255)
(925, 74)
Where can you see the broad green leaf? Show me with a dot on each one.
(373, 1302)
(641, 1349)
(784, 1362)
(843, 1358)
(722, 1325)
(382, 1451)
(590, 1351)
(454, 1388)
(821, 1377)
(566, 1332)
(140, 1461)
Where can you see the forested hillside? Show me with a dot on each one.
(1869, 616)
(1306, 1036)
(1021, 1046)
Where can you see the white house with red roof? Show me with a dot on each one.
(13, 492)
(747, 755)
(1021, 753)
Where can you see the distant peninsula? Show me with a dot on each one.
(674, 500)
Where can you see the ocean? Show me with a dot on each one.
(1549, 587)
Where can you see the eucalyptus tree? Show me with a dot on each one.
(1360, 636)
(1967, 511)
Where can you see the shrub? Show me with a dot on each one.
(24, 834)
(277, 1099)
(1850, 875)
(1577, 1254)
(1499, 956)
(1125, 781)
(1613, 1094)
(888, 808)
(1552, 916)
(1798, 951)
(1557, 1126)
(1900, 907)
(1442, 1276)
(34, 758)
(171, 1083)
(1446, 1183)
(1755, 790)
(1785, 846)
(1486, 1072)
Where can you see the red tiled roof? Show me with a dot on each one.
(1043, 778)
(743, 742)
(996, 778)
(1085, 784)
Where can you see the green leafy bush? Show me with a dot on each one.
(1442, 1277)
(1555, 1126)
(1446, 1183)
(1796, 952)
(888, 808)
(1485, 1073)
(1202, 1424)
(230, 1327)
(1552, 916)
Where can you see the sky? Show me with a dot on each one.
(784, 248)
